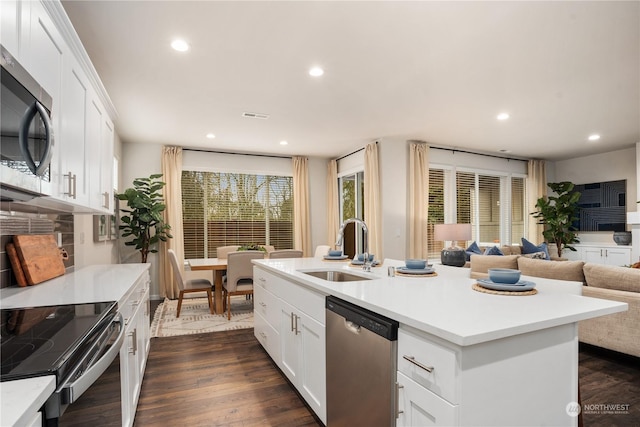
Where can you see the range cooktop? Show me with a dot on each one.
(49, 340)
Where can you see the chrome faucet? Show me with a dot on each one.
(366, 266)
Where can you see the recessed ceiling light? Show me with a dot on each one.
(594, 137)
(284, 143)
(180, 45)
(503, 116)
(316, 72)
(210, 136)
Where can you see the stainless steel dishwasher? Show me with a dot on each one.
(362, 348)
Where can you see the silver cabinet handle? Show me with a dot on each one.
(398, 410)
(105, 204)
(297, 317)
(418, 364)
(262, 279)
(72, 185)
(263, 304)
(134, 342)
(263, 335)
(292, 321)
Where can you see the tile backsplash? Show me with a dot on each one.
(22, 219)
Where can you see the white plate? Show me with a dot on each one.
(407, 270)
(339, 257)
(521, 286)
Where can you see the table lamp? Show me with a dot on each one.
(452, 255)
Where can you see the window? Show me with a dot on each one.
(220, 209)
(495, 206)
(436, 209)
(351, 189)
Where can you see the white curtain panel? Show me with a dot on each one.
(333, 202)
(418, 199)
(536, 188)
(302, 223)
(372, 213)
(172, 177)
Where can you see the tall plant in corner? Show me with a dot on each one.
(558, 213)
(144, 219)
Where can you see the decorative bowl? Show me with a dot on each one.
(333, 252)
(416, 263)
(622, 237)
(504, 275)
(361, 257)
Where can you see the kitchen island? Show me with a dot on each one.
(495, 360)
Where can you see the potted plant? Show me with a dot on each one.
(557, 214)
(252, 247)
(144, 219)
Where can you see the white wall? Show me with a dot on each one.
(393, 157)
(611, 166)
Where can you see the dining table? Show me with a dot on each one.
(218, 266)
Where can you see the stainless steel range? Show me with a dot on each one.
(75, 342)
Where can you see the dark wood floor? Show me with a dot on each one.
(227, 379)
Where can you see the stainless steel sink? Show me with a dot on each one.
(336, 275)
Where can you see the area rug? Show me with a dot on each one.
(195, 317)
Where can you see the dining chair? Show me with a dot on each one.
(269, 248)
(189, 286)
(285, 253)
(239, 278)
(321, 250)
(222, 251)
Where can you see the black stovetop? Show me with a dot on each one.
(48, 340)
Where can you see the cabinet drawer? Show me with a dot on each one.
(417, 354)
(266, 304)
(267, 280)
(268, 337)
(420, 407)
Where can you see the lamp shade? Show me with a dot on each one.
(452, 232)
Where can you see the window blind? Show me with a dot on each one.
(518, 210)
(222, 209)
(436, 210)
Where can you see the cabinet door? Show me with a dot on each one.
(11, 12)
(595, 255)
(576, 255)
(418, 406)
(618, 256)
(313, 381)
(72, 138)
(106, 165)
(93, 144)
(289, 347)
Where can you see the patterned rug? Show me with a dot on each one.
(195, 317)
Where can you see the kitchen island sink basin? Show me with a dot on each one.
(336, 275)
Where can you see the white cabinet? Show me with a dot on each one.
(43, 40)
(135, 350)
(601, 254)
(440, 383)
(290, 325)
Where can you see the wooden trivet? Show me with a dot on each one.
(479, 288)
(400, 273)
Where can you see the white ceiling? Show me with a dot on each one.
(439, 72)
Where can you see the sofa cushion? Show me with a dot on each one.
(511, 249)
(612, 277)
(561, 270)
(494, 250)
(473, 249)
(480, 264)
(529, 248)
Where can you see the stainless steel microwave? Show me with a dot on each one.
(26, 133)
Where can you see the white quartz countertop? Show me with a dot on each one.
(96, 283)
(446, 305)
(22, 399)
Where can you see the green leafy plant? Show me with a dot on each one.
(252, 247)
(144, 219)
(557, 214)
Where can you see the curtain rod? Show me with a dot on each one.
(455, 150)
(239, 154)
(353, 152)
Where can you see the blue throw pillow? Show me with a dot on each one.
(493, 251)
(530, 248)
(473, 249)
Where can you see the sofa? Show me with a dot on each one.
(619, 332)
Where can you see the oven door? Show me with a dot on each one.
(100, 359)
